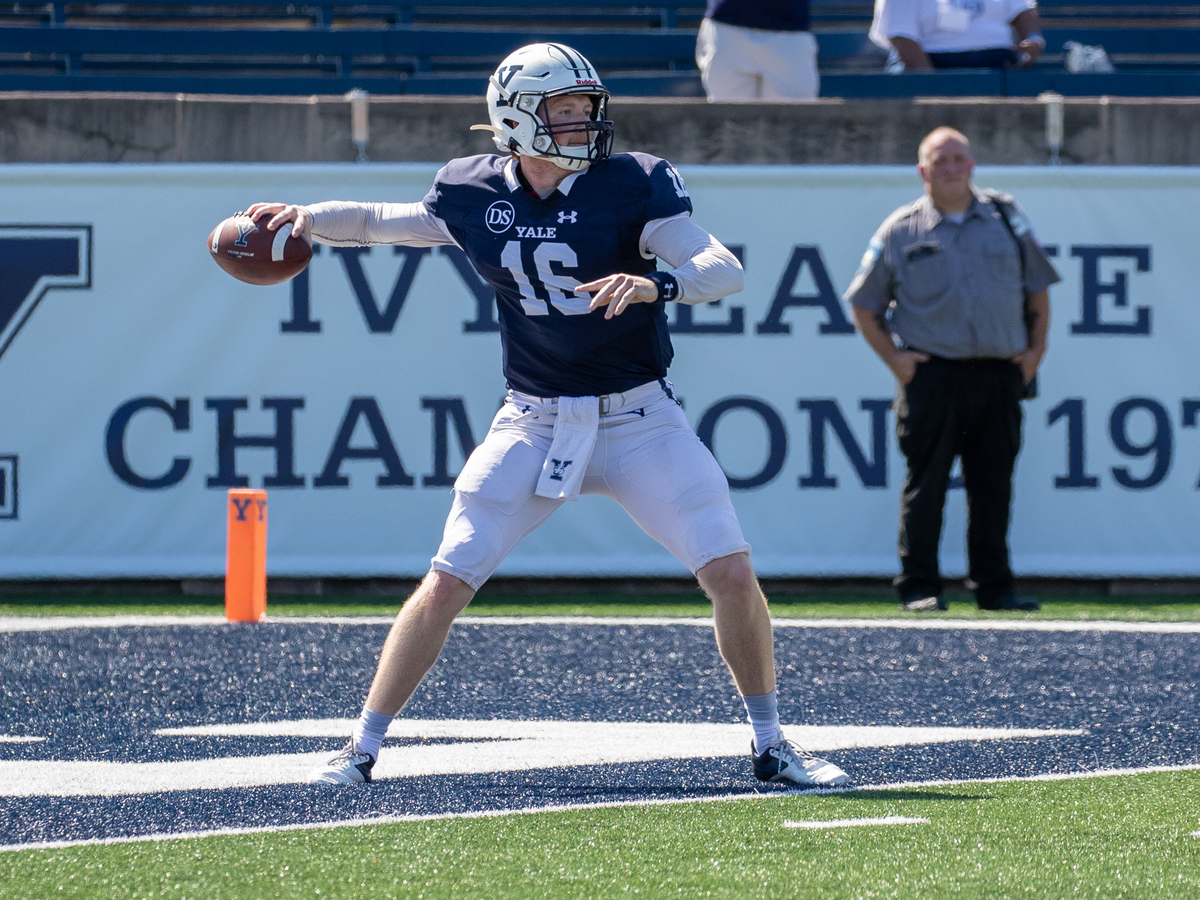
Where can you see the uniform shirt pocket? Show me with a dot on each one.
(1003, 263)
(926, 271)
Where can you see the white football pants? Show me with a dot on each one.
(751, 64)
(647, 458)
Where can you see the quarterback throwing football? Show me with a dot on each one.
(567, 234)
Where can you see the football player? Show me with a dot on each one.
(567, 233)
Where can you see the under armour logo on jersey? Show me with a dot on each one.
(560, 469)
(244, 227)
(500, 216)
(568, 217)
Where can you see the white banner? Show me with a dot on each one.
(140, 381)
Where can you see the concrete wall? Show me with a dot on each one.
(52, 127)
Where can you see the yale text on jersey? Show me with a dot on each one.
(537, 231)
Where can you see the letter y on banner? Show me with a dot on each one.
(33, 260)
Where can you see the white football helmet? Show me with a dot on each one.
(515, 94)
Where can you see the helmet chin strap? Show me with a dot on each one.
(570, 163)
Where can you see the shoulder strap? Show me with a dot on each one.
(999, 206)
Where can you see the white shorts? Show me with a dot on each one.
(647, 458)
(751, 64)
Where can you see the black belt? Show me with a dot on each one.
(965, 360)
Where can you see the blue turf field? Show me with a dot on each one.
(101, 694)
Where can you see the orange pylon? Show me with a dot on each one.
(246, 556)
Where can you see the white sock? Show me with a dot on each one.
(763, 712)
(369, 731)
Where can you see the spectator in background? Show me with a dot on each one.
(949, 34)
(961, 283)
(757, 50)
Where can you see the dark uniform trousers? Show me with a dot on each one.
(970, 409)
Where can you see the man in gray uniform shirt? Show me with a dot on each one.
(951, 294)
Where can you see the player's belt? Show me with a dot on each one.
(634, 398)
(610, 404)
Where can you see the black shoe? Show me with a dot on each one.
(1023, 604)
(924, 604)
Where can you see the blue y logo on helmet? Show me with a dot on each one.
(35, 259)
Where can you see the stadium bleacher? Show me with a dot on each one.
(320, 47)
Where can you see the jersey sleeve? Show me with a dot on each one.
(435, 200)
(668, 194)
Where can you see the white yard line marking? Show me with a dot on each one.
(994, 625)
(13, 624)
(19, 739)
(914, 624)
(473, 747)
(857, 823)
(536, 810)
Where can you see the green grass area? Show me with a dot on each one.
(1114, 837)
(1076, 607)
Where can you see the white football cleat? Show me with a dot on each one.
(348, 766)
(784, 761)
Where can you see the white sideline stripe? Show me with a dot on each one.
(488, 746)
(557, 808)
(856, 823)
(907, 624)
(19, 739)
(12, 624)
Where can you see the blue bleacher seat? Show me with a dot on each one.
(331, 46)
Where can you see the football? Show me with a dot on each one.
(250, 253)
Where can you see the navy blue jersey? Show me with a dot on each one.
(534, 252)
(766, 15)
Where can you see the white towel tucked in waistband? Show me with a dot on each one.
(575, 429)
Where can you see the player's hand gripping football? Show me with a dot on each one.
(618, 291)
(300, 217)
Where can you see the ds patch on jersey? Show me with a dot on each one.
(500, 216)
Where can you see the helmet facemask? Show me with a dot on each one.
(547, 138)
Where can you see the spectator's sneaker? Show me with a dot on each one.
(349, 766)
(784, 761)
(924, 604)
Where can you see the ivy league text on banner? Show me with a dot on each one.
(141, 382)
